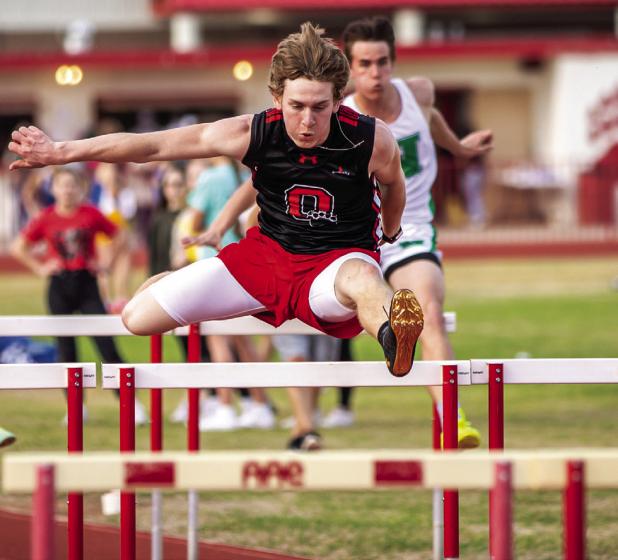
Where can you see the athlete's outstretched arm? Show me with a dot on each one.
(386, 165)
(228, 137)
(475, 144)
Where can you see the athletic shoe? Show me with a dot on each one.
(309, 441)
(6, 438)
(223, 419)
(339, 418)
(258, 415)
(65, 420)
(468, 437)
(141, 416)
(180, 415)
(399, 335)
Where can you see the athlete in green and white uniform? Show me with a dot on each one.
(407, 107)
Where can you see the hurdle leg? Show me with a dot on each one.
(42, 531)
(75, 444)
(501, 519)
(127, 443)
(574, 506)
(449, 428)
(156, 444)
(193, 442)
(438, 496)
(495, 401)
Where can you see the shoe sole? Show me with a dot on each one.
(406, 320)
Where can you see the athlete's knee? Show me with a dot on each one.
(358, 274)
(134, 315)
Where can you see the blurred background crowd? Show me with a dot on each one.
(543, 76)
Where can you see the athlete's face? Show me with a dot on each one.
(371, 68)
(307, 106)
(67, 191)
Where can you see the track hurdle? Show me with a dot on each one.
(498, 373)
(111, 325)
(335, 470)
(128, 377)
(73, 377)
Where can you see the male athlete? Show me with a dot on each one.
(407, 107)
(325, 176)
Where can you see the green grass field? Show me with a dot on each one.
(552, 308)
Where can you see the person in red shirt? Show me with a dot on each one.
(68, 228)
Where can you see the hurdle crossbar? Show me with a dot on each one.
(281, 374)
(547, 370)
(45, 376)
(111, 325)
(286, 470)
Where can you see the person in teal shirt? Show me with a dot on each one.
(214, 187)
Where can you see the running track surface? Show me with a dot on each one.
(103, 542)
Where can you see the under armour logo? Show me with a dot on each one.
(312, 159)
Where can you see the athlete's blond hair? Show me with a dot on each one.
(308, 55)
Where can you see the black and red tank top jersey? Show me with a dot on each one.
(318, 199)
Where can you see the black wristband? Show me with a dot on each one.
(387, 239)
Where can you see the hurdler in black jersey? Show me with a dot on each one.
(318, 199)
(315, 256)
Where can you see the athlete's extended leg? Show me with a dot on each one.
(426, 278)
(202, 291)
(359, 288)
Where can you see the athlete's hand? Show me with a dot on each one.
(48, 268)
(33, 146)
(476, 144)
(210, 237)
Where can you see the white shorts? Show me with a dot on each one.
(418, 240)
(207, 291)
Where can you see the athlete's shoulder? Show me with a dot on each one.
(351, 118)
(423, 90)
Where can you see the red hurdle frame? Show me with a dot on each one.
(75, 444)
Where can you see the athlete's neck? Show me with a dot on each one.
(386, 107)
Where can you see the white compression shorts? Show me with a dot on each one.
(207, 291)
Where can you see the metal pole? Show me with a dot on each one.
(42, 531)
(75, 444)
(438, 496)
(574, 504)
(156, 444)
(501, 520)
(449, 428)
(495, 402)
(127, 443)
(193, 441)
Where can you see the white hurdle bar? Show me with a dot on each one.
(73, 377)
(569, 470)
(111, 325)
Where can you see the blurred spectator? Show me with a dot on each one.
(118, 204)
(472, 179)
(304, 400)
(215, 185)
(342, 416)
(69, 227)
